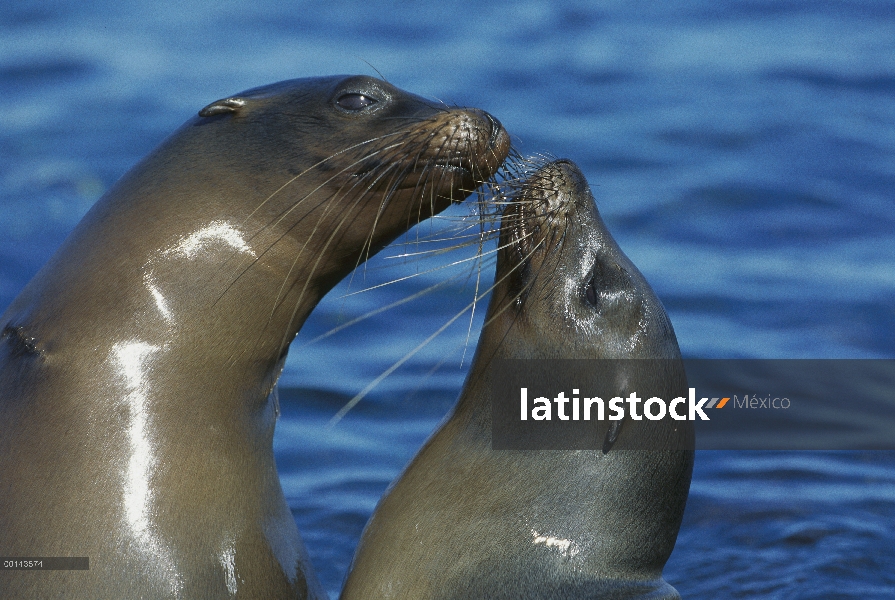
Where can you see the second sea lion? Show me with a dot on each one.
(467, 521)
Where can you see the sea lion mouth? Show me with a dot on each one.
(454, 165)
(523, 229)
(437, 171)
(520, 230)
(540, 207)
(444, 158)
(534, 225)
(527, 218)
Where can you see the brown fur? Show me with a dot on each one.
(466, 521)
(136, 419)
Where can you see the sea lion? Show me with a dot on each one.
(466, 521)
(136, 368)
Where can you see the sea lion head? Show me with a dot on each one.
(353, 152)
(563, 280)
(256, 207)
(565, 290)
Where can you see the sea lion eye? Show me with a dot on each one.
(355, 102)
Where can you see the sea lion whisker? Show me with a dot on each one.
(277, 220)
(257, 257)
(391, 189)
(397, 177)
(280, 296)
(345, 169)
(449, 229)
(384, 150)
(517, 266)
(353, 185)
(378, 72)
(469, 240)
(461, 239)
(281, 293)
(462, 231)
(478, 258)
(413, 275)
(293, 206)
(335, 231)
(458, 231)
(460, 223)
(315, 166)
(480, 255)
(431, 199)
(521, 292)
(419, 294)
(360, 395)
(449, 145)
(469, 307)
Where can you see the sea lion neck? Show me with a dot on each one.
(191, 292)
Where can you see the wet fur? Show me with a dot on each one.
(463, 521)
(136, 367)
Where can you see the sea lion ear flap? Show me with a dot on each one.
(221, 107)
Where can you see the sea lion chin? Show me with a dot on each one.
(136, 367)
(466, 521)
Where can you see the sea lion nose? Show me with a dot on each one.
(496, 130)
(498, 144)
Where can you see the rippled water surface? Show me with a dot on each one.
(742, 153)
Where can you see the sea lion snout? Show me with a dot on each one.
(554, 197)
(493, 140)
(468, 142)
(560, 185)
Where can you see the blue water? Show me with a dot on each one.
(743, 154)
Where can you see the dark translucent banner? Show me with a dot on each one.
(792, 404)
